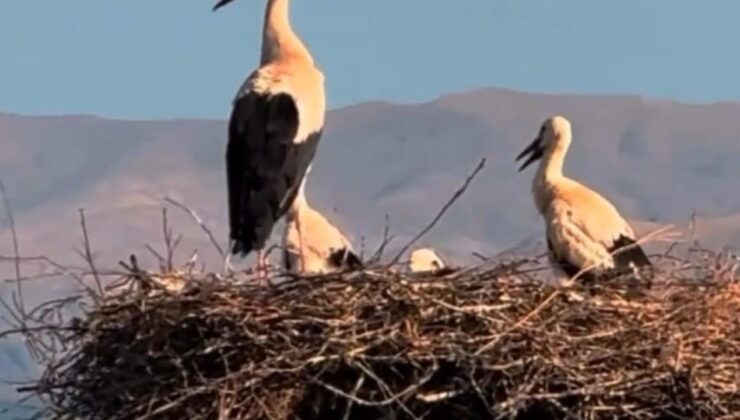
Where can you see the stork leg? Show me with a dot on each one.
(228, 269)
(261, 266)
(300, 246)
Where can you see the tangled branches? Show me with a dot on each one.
(485, 343)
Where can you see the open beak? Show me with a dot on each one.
(535, 152)
(221, 3)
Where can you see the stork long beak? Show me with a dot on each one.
(535, 152)
(221, 3)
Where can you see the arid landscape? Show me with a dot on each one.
(658, 160)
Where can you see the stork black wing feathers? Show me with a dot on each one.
(265, 166)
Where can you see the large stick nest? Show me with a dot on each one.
(488, 343)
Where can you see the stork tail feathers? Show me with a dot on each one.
(249, 236)
(345, 258)
(627, 253)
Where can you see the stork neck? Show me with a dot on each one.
(278, 38)
(551, 169)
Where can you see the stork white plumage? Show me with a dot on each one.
(274, 129)
(311, 244)
(586, 235)
(424, 260)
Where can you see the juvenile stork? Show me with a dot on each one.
(311, 244)
(586, 236)
(425, 260)
(274, 129)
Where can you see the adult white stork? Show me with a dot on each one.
(586, 235)
(311, 244)
(425, 260)
(274, 129)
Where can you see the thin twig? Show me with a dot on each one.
(200, 223)
(519, 323)
(441, 213)
(169, 247)
(350, 403)
(18, 300)
(88, 256)
(385, 241)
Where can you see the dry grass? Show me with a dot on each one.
(486, 343)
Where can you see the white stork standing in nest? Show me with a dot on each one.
(586, 236)
(311, 244)
(274, 129)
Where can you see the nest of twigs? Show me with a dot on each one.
(477, 344)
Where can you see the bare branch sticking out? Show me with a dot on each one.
(441, 213)
(200, 223)
(18, 295)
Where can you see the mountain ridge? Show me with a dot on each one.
(384, 153)
(658, 163)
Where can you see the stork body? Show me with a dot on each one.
(586, 235)
(425, 260)
(311, 244)
(274, 129)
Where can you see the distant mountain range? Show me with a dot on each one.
(658, 160)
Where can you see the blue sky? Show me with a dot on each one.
(175, 58)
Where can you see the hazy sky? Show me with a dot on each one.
(175, 58)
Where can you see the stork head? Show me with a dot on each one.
(425, 259)
(221, 3)
(554, 132)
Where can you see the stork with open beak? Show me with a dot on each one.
(586, 236)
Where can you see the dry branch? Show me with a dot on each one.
(18, 294)
(442, 211)
(200, 223)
